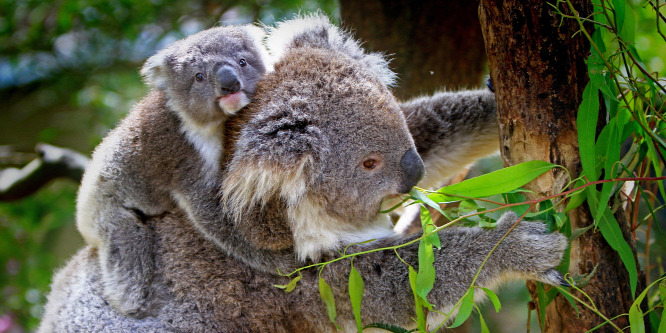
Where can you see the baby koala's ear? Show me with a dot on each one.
(154, 70)
(258, 36)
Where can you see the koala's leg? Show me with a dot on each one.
(452, 130)
(126, 259)
(528, 252)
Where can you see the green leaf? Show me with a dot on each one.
(570, 300)
(420, 316)
(420, 196)
(611, 231)
(484, 327)
(636, 314)
(326, 295)
(428, 226)
(579, 231)
(466, 307)
(516, 198)
(620, 13)
(356, 296)
(636, 318)
(654, 321)
(662, 296)
(598, 14)
(612, 148)
(425, 279)
(628, 30)
(586, 121)
(596, 67)
(560, 220)
(493, 298)
(654, 157)
(662, 324)
(289, 287)
(563, 267)
(576, 199)
(496, 182)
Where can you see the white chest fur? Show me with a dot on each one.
(207, 140)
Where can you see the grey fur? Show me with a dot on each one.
(313, 122)
(165, 154)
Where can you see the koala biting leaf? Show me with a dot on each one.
(310, 161)
(166, 153)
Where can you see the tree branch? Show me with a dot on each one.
(53, 162)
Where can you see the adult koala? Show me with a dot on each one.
(309, 163)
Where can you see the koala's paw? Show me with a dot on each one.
(533, 252)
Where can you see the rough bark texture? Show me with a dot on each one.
(539, 73)
(433, 44)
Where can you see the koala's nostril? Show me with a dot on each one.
(228, 80)
(414, 170)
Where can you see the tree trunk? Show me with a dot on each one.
(539, 73)
(433, 44)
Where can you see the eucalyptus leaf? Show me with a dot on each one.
(586, 121)
(326, 295)
(418, 308)
(425, 280)
(611, 232)
(493, 298)
(356, 296)
(496, 182)
(484, 327)
(579, 231)
(292, 284)
(466, 307)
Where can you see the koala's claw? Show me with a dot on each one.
(553, 277)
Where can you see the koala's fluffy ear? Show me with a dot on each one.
(317, 31)
(153, 70)
(258, 34)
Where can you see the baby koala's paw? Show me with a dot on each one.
(531, 251)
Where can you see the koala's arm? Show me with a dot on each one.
(452, 130)
(528, 252)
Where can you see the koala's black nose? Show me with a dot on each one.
(228, 80)
(413, 167)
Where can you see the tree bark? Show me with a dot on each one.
(539, 73)
(433, 44)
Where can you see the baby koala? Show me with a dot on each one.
(166, 154)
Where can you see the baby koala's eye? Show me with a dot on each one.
(242, 62)
(199, 77)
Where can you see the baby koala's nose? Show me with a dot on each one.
(228, 80)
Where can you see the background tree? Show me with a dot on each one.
(537, 57)
(432, 45)
(539, 73)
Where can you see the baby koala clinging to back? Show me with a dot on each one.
(166, 154)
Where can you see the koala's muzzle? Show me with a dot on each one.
(227, 79)
(413, 169)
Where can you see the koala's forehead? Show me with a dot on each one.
(211, 43)
(335, 83)
(337, 95)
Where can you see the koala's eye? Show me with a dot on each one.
(242, 62)
(370, 163)
(199, 77)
